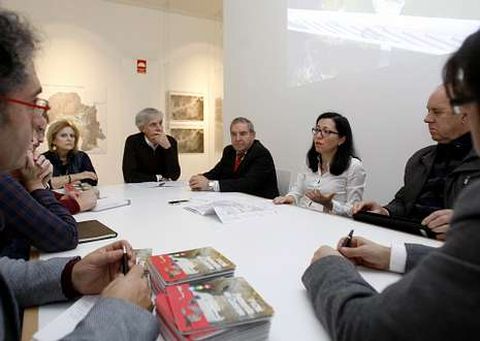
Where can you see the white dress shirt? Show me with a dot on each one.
(348, 188)
(398, 257)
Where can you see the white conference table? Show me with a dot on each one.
(271, 251)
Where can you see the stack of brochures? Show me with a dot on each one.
(219, 309)
(187, 266)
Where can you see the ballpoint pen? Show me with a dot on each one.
(124, 265)
(348, 241)
(179, 201)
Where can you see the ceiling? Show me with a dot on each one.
(210, 9)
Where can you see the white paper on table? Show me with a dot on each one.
(202, 209)
(232, 210)
(66, 322)
(161, 184)
(150, 184)
(108, 203)
(178, 183)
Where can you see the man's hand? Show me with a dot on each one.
(162, 140)
(370, 206)
(132, 287)
(48, 173)
(324, 199)
(288, 199)
(94, 272)
(198, 183)
(324, 251)
(37, 168)
(86, 199)
(439, 222)
(367, 253)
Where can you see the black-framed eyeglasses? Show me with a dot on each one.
(457, 103)
(323, 132)
(40, 106)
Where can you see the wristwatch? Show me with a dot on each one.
(211, 185)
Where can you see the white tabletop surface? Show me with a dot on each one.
(271, 251)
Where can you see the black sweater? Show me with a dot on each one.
(141, 163)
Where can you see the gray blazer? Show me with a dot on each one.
(24, 284)
(438, 298)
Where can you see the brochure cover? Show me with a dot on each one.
(215, 305)
(187, 266)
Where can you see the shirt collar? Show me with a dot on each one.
(456, 149)
(152, 145)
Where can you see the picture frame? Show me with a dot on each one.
(191, 140)
(184, 106)
(186, 121)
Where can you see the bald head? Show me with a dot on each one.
(444, 126)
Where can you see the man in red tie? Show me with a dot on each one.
(246, 166)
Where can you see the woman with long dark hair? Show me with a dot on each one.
(335, 178)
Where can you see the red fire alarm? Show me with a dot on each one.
(141, 66)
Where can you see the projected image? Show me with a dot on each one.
(341, 36)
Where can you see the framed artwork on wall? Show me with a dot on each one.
(190, 140)
(186, 121)
(185, 106)
(86, 108)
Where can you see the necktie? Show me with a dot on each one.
(238, 160)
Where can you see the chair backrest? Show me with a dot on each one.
(283, 179)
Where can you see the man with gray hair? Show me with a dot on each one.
(246, 166)
(121, 311)
(150, 155)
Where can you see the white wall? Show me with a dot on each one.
(385, 104)
(94, 44)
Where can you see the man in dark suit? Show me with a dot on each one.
(439, 297)
(246, 166)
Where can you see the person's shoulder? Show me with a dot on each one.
(424, 151)
(6, 177)
(81, 153)
(259, 147)
(9, 184)
(134, 137)
(355, 165)
(473, 157)
(228, 149)
(355, 162)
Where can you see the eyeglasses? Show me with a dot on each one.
(40, 106)
(457, 103)
(323, 132)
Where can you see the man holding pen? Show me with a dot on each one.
(121, 312)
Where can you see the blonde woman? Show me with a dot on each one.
(70, 165)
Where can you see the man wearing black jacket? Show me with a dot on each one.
(435, 175)
(150, 155)
(246, 166)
